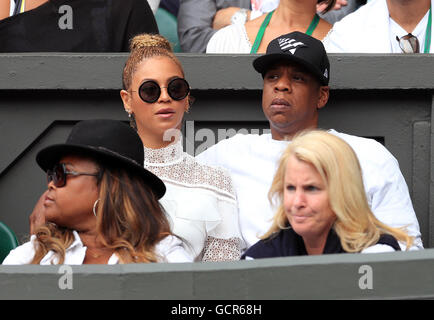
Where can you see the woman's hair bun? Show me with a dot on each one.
(146, 40)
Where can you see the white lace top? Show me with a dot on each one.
(201, 203)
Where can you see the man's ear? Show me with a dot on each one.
(323, 97)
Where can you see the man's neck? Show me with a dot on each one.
(408, 13)
(288, 134)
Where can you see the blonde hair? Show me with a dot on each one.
(144, 46)
(337, 164)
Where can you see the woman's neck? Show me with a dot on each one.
(158, 141)
(90, 239)
(408, 13)
(315, 246)
(294, 13)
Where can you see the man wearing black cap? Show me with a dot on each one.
(296, 73)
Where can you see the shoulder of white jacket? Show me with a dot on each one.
(359, 17)
(22, 254)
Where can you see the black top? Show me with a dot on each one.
(287, 242)
(77, 26)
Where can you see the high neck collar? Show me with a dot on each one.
(173, 153)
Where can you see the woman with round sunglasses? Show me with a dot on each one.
(200, 199)
(101, 206)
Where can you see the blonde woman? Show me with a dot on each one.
(321, 204)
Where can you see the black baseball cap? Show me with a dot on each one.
(300, 48)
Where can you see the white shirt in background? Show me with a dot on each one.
(369, 30)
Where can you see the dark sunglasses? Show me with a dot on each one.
(408, 43)
(59, 172)
(150, 91)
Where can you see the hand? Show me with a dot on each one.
(37, 217)
(223, 17)
(339, 4)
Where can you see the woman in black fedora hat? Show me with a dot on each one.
(200, 199)
(101, 206)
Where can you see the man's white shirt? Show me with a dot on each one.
(253, 159)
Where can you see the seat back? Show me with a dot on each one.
(168, 27)
(8, 241)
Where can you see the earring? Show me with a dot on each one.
(129, 113)
(94, 206)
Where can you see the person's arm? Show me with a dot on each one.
(386, 189)
(391, 202)
(222, 249)
(338, 5)
(195, 23)
(37, 217)
(172, 250)
(4, 9)
(341, 9)
(223, 17)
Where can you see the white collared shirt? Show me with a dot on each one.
(170, 248)
(397, 31)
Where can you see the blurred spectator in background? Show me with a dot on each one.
(170, 5)
(385, 26)
(198, 20)
(254, 35)
(74, 25)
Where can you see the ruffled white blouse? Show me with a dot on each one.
(200, 202)
(230, 39)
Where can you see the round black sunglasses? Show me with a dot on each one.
(150, 91)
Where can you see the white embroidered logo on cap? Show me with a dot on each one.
(326, 73)
(291, 45)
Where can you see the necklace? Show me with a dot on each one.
(264, 26)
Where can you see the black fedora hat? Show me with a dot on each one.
(111, 141)
(300, 48)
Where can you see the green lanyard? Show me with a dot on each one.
(265, 23)
(428, 34)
